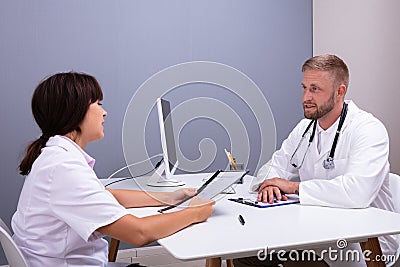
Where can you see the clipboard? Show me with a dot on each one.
(292, 200)
(214, 185)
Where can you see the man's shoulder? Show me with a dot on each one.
(363, 118)
(363, 124)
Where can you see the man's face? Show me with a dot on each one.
(318, 94)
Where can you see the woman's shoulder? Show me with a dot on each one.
(64, 168)
(61, 148)
(57, 158)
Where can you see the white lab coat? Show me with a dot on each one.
(361, 175)
(61, 205)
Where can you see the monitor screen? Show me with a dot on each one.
(167, 135)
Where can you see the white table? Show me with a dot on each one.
(284, 227)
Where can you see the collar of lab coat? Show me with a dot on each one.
(352, 111)
(69, 145)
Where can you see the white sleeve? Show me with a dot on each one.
(80, 200)
(279, 165)
(364, 170)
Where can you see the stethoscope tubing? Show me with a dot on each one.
(329, 162)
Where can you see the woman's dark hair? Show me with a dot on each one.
(59, 104)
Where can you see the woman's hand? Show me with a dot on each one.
(203, 208)
(181, 194)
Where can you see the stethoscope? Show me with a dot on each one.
(328, 163)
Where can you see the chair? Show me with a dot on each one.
(14, 256)
(12, 252)
(394, 186)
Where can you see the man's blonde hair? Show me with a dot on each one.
(333, 65)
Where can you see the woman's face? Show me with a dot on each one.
(92, 128)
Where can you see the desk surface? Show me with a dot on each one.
(284, 227)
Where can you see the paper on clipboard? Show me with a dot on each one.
(251, 200)
(217, 183)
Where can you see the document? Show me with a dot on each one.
(251, 200)
(213, 186)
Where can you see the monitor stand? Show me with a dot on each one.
(158, 180)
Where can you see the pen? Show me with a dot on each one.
(231, 160)
(241, 220)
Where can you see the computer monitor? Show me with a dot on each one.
(168, 148)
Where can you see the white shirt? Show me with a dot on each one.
(361, 175)
(61, 205)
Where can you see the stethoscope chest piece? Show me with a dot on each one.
(329, 163)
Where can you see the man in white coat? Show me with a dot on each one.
(339, 152)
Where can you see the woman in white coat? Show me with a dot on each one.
(64, 210)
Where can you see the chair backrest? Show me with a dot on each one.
(4, 226)
(12, 252)
(394, 185)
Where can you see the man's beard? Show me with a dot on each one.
(320, 111)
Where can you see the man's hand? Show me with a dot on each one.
(276, 187)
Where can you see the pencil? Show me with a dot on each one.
(231, 160)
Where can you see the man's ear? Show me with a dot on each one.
(341, 90)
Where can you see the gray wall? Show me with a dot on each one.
(123, 43)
